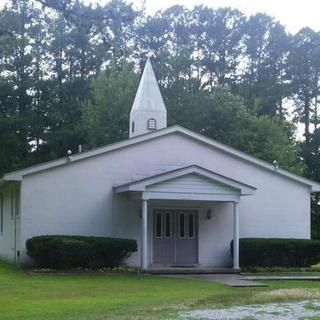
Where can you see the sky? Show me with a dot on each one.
(294, 14)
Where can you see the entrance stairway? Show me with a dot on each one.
(191, 270)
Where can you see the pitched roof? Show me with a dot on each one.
(142, 184)
(18, 175)
(148, 96)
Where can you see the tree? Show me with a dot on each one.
(304, 66)
(19, 77)
(220, 34)
(105, 116)
(223, 116)
(264, 81)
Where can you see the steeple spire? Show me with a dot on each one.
(148, 111)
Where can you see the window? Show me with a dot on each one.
(158, 225)
(152, 124)
(190, 225)
(132, 127)
(1, 214)
(167, 224)
(163, 224)
(181, 225)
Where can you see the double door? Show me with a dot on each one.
(175, 237)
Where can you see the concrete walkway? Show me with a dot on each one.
(231, 280)
(238, 280)
(270, 277)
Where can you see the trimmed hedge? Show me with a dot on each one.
(63, 252)
(261, 252)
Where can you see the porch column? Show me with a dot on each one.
(144, 259)
(236, 235)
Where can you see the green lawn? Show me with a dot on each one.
(24, 296)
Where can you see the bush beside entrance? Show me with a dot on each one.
(261, 252)
(62, 252)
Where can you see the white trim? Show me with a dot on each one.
(18, 175)
(173, 207)
(151, 235)
(235, 235)
(189, 196)
(144, 235)
(155, 124)
(145, 185)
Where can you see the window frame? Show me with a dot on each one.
(180, 214)
(165, 225)
(156, 225)
(193, 226)
(152, 121)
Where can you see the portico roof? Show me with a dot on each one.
(188, 183)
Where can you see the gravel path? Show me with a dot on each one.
(272, 311)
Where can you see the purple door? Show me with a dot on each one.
(163, 237)
(175, 237)
(186, 237)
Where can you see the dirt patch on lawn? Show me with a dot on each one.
(309, 309)
(289, 294)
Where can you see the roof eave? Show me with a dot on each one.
(315, 188)
(142, 184)
(4, 182)
(12, 177)
(18, 175)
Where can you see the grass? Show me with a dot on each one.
(124, 296)
(315, 269)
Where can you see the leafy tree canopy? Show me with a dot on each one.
(69, 72)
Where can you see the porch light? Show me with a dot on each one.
(69, 153)
(209, 213)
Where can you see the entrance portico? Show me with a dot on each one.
(187, 186)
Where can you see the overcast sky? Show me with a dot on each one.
(294, 14)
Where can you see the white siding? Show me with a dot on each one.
(78, 198)
(193, 183)
(8, 244)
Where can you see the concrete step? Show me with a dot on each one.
(191, 270)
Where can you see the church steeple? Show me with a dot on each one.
(148, 111)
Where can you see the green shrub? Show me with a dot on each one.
(261, 252)
(63, 252)
(316, 267)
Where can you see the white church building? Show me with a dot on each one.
(184, 197)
